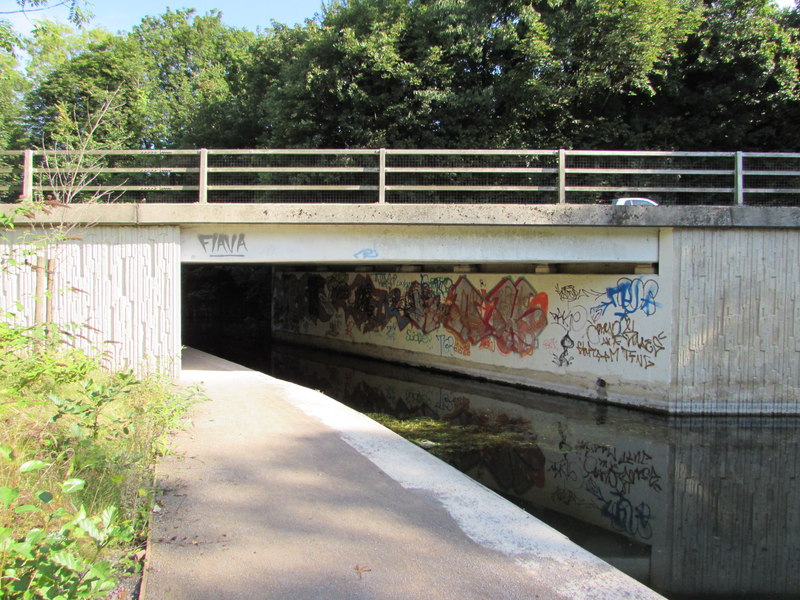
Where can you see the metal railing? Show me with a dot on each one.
(404, 176)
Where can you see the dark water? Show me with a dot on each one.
(692, 507)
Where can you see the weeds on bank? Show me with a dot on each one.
(76, 452)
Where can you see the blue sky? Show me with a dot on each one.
(122, 15)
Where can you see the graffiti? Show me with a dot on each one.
(512, 313)
(366, 253)
(222, 245)
(569, 293)
(446, 343)
(563, 360)
(571, 320)
(628, 297)
(437, 284)
(385, 280)
(620, 340)
(418, 337)
(507, 316)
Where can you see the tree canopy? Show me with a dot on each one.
(616, 74)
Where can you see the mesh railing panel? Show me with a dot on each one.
(506, 177)
(132, 176)
(11, 166)
(772, 179)
(407, 176)
(293, 177)
(674, 178)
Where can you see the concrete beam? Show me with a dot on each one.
(572, 215)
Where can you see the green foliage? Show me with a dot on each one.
(191, 64)
(76, 454)
(61, 558)
(616, 74)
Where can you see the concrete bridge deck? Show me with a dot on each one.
(276, 491)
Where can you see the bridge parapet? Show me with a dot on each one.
(401, 176)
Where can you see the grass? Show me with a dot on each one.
(77, 450)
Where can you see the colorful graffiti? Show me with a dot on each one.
(475, 317)
(617, 340)
(512, 314)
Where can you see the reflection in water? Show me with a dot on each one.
(693, 507)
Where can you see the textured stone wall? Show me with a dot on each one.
(737, 321)
(119, 287)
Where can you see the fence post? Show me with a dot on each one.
(27, 175)
(739, 186)
(562, 176)
(382, 176)
(202, 184)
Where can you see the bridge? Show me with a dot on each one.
(505, 264)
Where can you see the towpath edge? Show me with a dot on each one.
(276, 491)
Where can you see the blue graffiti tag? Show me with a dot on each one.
(366, 253)
(629, 296)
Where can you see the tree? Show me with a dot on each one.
(11, 85)
(734, 86)
(460, 73)
(399, 73)
(77, 15)
(191, 65)
(175, 75)
(82, 83)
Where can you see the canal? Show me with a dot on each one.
(693, 507)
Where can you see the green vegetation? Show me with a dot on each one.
(76, 455)
(446, 439)
(607, 74)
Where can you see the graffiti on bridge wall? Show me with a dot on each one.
(615, 340)
(466, 316)
(509, 317)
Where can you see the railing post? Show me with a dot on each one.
(202, 184)
(382, 176)
(562, 176)
(27, 175)
(739, 185)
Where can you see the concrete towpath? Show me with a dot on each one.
(279, 492)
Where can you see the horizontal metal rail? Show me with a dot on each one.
(403, 175)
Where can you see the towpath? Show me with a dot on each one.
(278, 492)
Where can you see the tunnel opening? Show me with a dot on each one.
(226, 309)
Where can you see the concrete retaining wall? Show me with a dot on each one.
(120, 286)
(737, 320)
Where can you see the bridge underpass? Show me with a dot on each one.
(682, 309)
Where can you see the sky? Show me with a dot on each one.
(122, 15)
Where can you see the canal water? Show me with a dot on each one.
(693, 507)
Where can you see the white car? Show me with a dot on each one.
(634, 202)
